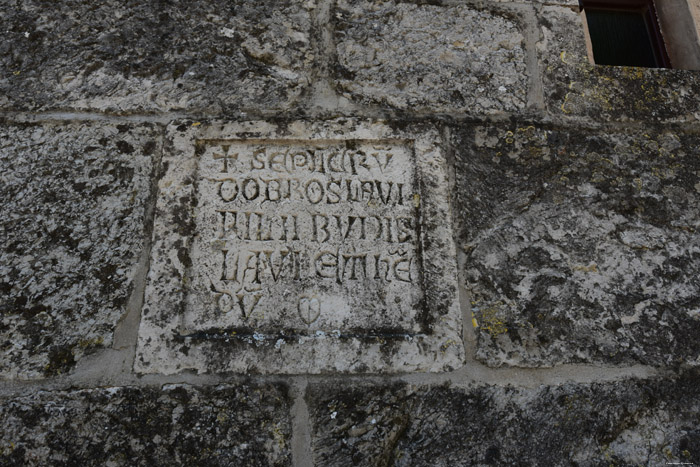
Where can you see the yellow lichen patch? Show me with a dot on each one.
(572, 405)
(633, 73)
(535, 151)
(7, 450)
(668, 453)
(590, 268)
(565, 58)
(565, 105)
(95, 342)
(445, 345)
(509, 137)
(492, 323)
(597, 176)
(279, 436)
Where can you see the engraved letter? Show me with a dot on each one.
(333, 189)
(250, 193)
(247, 303)
(326, 264)
(258, 161)
(228, 190)
(320, 223)
(385, 199)
(314, 191)
(402, 269)
(289, 228)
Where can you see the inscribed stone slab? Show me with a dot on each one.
(301, 248)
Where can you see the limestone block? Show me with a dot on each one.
(581, 246)
(72, 224)
(301, 247)
(133, 56)
(568, 3)
(173, 425)
(573, 88)
(428, 57)
(631, 422)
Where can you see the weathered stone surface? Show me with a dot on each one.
(581, 246)
(117, 56)
(175, 425)
(570, 3)
(430, 57)
(575, 88)
(301, 247)
(72, 227)
(623, 423)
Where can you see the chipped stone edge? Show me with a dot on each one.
(158, 352)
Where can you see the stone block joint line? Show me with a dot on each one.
(345, 233)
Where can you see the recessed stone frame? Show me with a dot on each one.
(302, 247)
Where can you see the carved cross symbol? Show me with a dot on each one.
(226, 156)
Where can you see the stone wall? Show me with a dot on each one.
(487, 251)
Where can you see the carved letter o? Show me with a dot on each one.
(225, 303)
(228, 190)
(246, 193)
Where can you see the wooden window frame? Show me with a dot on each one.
(647, 8)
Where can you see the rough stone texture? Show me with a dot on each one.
(428, 57)
(624, 423)
(266, 236)
(575, 88)
(251, 291)
(74, 200)
(569, 3)
(116, 56)
(178, 425)
(581, 246)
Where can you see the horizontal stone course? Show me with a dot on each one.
(569, 3)
(116, 56)
(175, 425)
(631, 422)
(427, 57)
(342, 205)
(581, 246)
(73, 225)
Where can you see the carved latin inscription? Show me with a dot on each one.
(295, 234)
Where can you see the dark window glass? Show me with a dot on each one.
(621, 38)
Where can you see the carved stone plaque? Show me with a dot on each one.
(301, 248)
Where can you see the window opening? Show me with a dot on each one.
(625, 33)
